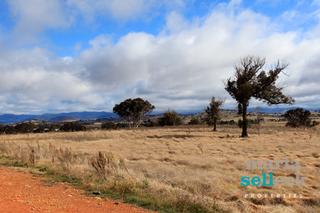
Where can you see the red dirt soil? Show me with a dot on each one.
(23, 192)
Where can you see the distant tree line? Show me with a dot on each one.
(32, 127)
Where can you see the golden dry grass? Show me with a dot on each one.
(194, 160)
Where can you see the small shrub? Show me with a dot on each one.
(170, 118)
(250, 122)
(46, 127)
(7, 129)
(32, 156)
(150, 123)
(123, 125)
(105, 164)
(65, 157)
(123, 186)
(25, 127)
(99, 164)
(72, 127)
(194, 121)
(109, 125)
(230, 122)
(298, 117)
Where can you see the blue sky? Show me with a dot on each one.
(63, 41)
(70, 55)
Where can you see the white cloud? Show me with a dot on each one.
(189, 64)
(180, 68)
(33, 80)
(34, 16)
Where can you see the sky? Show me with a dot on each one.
(84, 55)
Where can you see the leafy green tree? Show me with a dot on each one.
(213, 112)
(133, 110)
(252, 81)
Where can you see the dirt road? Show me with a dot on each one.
(23, 192)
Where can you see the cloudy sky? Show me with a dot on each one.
(75, 55)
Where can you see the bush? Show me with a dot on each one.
(170, 118)
(18, 128)
(123, 125)
(109, 125)
(99, 163)
(28, 127)
(106, 164)
(230, 122)
(64, 157)
(46, 127)
(249, 122)
(150, 123)
(6, 129)
(194, 121)
(299, 117)
(25, 127)
(72, 127)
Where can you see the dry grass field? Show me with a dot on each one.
(182, 165)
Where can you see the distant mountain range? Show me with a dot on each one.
(59, 117)
(56, 117)
(279, 110)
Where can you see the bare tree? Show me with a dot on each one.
(252, 81)
(213, 112)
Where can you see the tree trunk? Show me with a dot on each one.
(244, 121)
(214, 124)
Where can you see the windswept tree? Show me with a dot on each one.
(213, 112)
(133, 110)
(252, 81)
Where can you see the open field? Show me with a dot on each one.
(189, 164)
